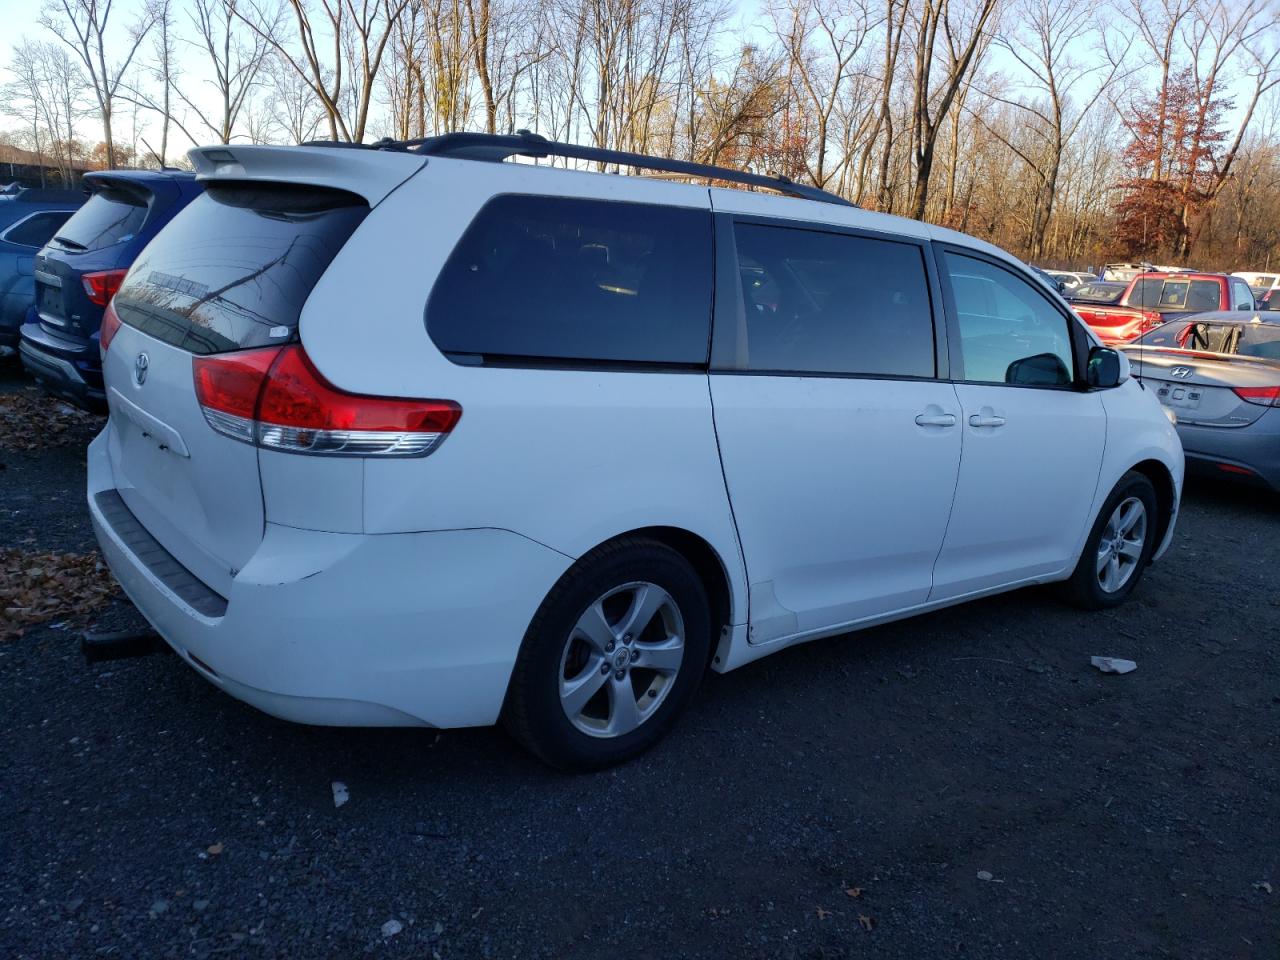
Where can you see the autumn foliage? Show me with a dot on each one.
(1177, 136)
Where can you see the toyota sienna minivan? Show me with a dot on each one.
(409, 435)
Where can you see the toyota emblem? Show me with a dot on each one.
(140, 369)
(1179, 373)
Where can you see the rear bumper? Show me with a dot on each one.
(1250, 454)
(70, 369)
(415, 629)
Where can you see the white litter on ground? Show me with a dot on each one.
(1113, 664)
(340, 794)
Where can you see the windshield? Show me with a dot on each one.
(1258, 340)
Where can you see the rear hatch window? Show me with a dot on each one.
(233, 269)
(112, 215)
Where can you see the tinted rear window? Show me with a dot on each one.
(560, 278)
(1174, 295)
(1099, 293)
(233, 269)
(109, 216)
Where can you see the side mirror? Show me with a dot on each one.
(1062, 286)
(1042, 370)
(1107, 368)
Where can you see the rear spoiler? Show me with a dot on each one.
(371, 174)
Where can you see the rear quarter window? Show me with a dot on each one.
(579, 281)
(233, 269)
(37, 229)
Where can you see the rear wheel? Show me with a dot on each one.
(1119, 546)
(612, 657)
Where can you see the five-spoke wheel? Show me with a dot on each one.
(612, 656)
(621, 659)
(1119, 545)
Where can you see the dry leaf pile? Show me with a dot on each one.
(38, 587)
(33, 422)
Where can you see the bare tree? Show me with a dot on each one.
(1042, 38)
(294, 112)
(164, 71)
(236, 57)
(83, 25)
(346, 42)
(1216, 33)
(965, 37)
(824, 41)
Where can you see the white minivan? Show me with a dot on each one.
(407, 435)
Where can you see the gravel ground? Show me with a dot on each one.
(963, 784)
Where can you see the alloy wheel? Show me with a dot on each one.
(1120, 548)
(621, 659)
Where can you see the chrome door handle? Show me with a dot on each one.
(980, 421)
(936, 420)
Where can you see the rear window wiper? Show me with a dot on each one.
(73, 244)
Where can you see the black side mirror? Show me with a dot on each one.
(1042, 370)
(1104, 367)
(1062, 286)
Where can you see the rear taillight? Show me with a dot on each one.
(1150, 320)
(1264, 396)
(110, 324)
(275, 398)
(102, 285)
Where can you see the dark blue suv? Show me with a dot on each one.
(79, 270)
(28, 220)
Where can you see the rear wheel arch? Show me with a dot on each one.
(705, 560)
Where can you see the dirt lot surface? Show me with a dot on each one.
(963, 784)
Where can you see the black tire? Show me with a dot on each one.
(1085, 589)
(533, 712)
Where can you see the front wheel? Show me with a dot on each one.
(612, 657)
(1119, 546)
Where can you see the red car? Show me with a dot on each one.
(1153, 298)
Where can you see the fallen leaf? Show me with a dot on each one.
(853, 891)
(866, 922)
(823, 914)
(215, 849)
(60, 425)
(38, 587)
(1263, 886)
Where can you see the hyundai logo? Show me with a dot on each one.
(140, 369)
(1178, 373)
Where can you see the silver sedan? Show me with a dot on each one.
(1220, 373)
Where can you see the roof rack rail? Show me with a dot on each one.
(494, 147)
